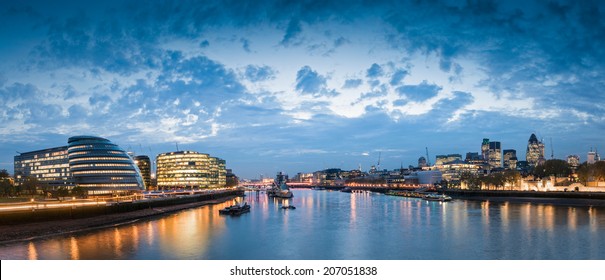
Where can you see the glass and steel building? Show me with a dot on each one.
(189, 169)
(101, 167)
(495, 154)
(510, 159)
(485, 149)
(535, 151)
(49, 166)
(144, 164)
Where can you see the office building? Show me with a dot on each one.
(93, 163)
(510, 159)
(144, 164)
(485, 149)
(189, 169)
(443, 159)
(535, 151)
(49, 166)
(495, 154)
(101, 167)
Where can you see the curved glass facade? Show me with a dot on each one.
(101, 167)
(144, 165)
(189, 169)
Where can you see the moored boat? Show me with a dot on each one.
(235, 210)
(437, 197)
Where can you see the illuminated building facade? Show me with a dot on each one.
(592, 157)
(495, 154)
(535, 151)
(101, 167)
(93, 163)
(49, 166)
(443, 159)
(485, 149)
(144, 164)
(573, 161)
(510, 159)
(452, 171)
(189, 169)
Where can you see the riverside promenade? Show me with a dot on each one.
(26, 224)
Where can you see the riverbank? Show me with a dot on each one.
(31, 231)
(555, 198)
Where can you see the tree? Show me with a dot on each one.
(79, 192)
(553, 167)
(6, 184)
(584, 173)
(6, 188)
(31, 185)
(511, 177)
(599, 170)
(61, 192)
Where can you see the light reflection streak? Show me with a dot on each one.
(118, 242)
(150, 233)
(74, 251)
(32, 253)
(572, 218)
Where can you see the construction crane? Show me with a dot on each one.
(552, 150)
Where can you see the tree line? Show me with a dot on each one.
(31, 186)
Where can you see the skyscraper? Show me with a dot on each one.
(485, 149)
(510, 159)
(535, 151)
(495, 154)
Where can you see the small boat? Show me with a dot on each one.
(288, 207)
(318, 188)
(235, 210)
(437, 197)
(347, 190)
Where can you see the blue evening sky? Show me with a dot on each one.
(300, 86)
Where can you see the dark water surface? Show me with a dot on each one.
(335, 225)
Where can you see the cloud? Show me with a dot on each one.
(397, 77)
(420, 92)
(374, 71)
(309, 81)
(259, 73)
(291, 37)
(245, 44)
(352, 83)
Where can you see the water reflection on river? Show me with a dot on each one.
(334, 225)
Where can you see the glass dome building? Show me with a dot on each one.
(101, 167)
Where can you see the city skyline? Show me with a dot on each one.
(298, 87)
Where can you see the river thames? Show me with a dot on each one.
(341, 226)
